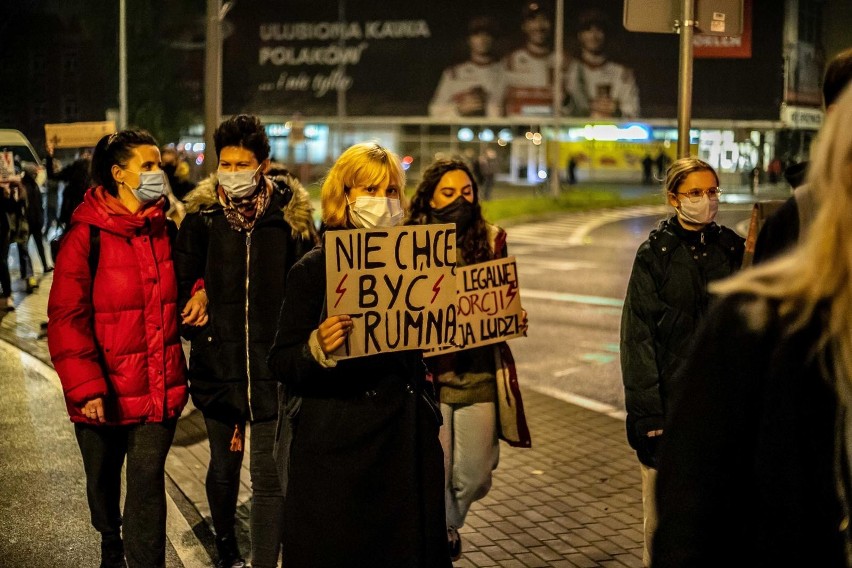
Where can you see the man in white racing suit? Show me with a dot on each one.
(597, 87)
(473, 87)
(529, 69)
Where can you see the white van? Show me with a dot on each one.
(14, 141)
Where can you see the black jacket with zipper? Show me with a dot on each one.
(666, 298)
(244, 276)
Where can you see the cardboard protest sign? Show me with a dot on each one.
(7, 168)
(77, 134)
(397, 283)
(488, 305)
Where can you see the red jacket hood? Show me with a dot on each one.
(101, 209)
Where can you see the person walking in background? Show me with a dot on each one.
(781, 230)
(177, 171)
(7, 206)
(113, 339)
(666, 298)
(359, 453)
(488, 171)
(473, 87)
(661, 162)
(20, 234)
(76, 178)
(241, 235)
(755, 468)
(647, 169)
(571, 168)
(35, 214)
(467, 379)
(598, 87)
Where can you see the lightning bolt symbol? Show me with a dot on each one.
(436, 288)
(340, 289)
(511, 292)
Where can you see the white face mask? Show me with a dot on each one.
(702, 212)
(238, 185)
(371, 212)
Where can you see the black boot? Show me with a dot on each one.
(112, 551)
(229, 552)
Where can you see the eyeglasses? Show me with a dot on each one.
(696, 194)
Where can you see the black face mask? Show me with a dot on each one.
(460, 212)
(170, 170)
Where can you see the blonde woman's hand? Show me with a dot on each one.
(525, 324)
(195, 310)
(94, 410)
(332, 332)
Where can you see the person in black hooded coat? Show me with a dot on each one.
(242, 233)
(666, 298)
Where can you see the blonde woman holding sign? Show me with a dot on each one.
(358, 451)
(468, 379)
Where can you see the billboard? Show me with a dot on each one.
(445, 58)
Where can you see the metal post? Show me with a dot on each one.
(341, 91)
(684, 102)
(122, 65)
(558, 43)
(212, 82)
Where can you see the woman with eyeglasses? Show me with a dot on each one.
(756, 469)
(666, 298)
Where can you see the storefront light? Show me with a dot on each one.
(506, 135)
(465, 134)
(612, 132)
(486, 135)
(277, 130)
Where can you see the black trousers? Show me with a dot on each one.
(145, 446)
(223, 486)
(5, 278)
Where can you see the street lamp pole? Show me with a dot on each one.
(684, 103)
(212, 81)
(558, 41)
(122, 64)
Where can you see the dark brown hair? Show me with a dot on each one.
(473, 245)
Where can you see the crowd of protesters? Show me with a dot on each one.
(736, 381)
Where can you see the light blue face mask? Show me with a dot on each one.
(152, 186)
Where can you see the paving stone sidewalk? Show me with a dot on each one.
(572, 500)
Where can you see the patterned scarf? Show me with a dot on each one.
(236, 219)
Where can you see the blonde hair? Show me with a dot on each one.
(681, 168)
(818, 272)
(361, 165)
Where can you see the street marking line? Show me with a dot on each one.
(599, 358)
(566, 372)
(581, 401)
(576, 298)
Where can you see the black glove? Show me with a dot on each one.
(647, 449)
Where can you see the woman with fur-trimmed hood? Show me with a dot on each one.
(242, 232)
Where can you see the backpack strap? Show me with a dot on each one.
(94, 250)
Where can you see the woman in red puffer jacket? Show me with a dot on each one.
(113, 338)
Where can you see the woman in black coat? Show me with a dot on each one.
(666, 298)
(755, 466)
(358, 446)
